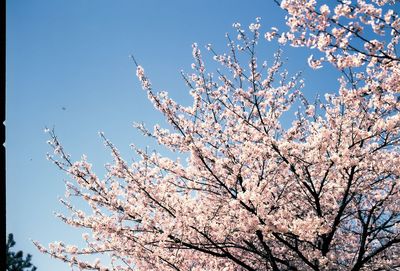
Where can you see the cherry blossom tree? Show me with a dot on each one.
(255, 193)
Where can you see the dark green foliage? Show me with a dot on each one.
(15, 260)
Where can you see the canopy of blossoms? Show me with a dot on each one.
(322, 194)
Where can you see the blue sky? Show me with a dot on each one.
(68, 67)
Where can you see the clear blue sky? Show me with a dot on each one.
(73, 55)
